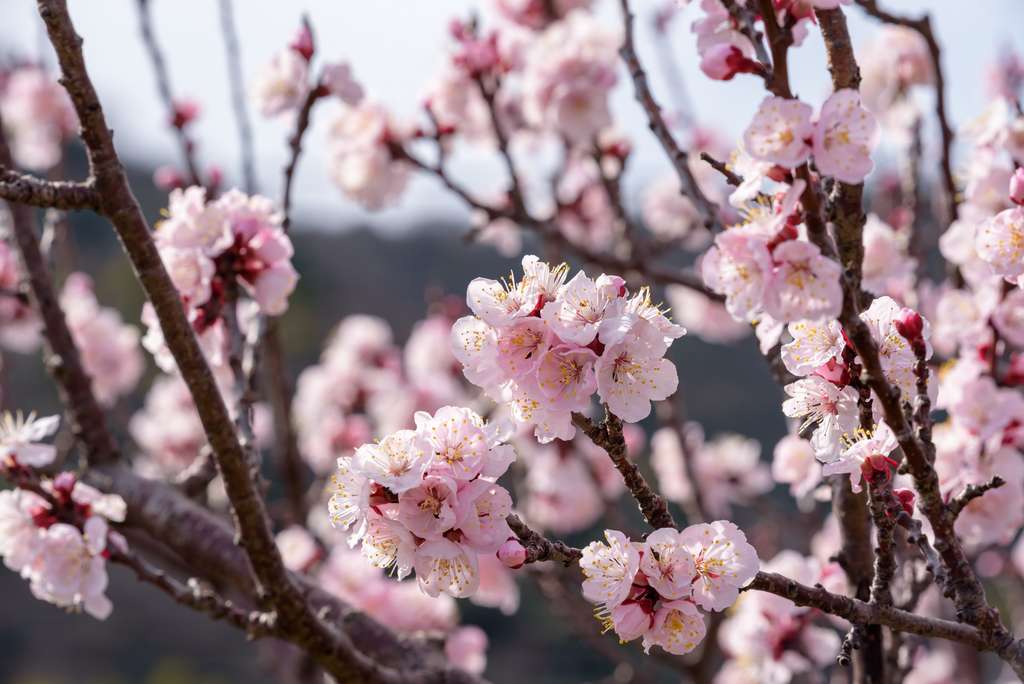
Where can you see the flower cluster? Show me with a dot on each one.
(212, 247)
(656, 589)
(19, 323)
(764, 269)
(546, 345)
(109, 349)
(37, 116)
(841, 140)
(54, 533)
(427, 499)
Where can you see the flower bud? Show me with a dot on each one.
(906, 499)
(303, 42)
(1017, 186)
(63, 485)
(185, 112)
(512, 554)
(168, 178)
(910, 325)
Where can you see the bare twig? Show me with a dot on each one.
(238, 100)
(972, 492)
(539, 548)
(655, 120)
(26, 189)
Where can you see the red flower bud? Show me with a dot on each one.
(910, 325)
(512, 554)
(1017, 187)
(303, 42)
(185, 112)
(906, 499)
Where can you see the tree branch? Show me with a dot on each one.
(972, 492)
(26, 189)
(238, 100)
(539, 548)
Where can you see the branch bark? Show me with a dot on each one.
(26, 189)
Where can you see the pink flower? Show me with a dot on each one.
(781, 132)
(609, 569)
(704, 317)
(896, 354)
(577, 313)
(871, 448)
(633, 373)
(20, 437)
(1009, 317)
(844, 137)
(349, 502)
(458, 440)
(737, 266)
(481, 511)
(668, 566)
(282, 85)
(887, 267)
(632, 619)
(725, 562)
(428, 510)
(167, 429)
(733, 55)
(109, 349)
(521, 346)
(397, 462)
(37, 116)
(569, 71)
(814, 344)
(466, 649)
(1000, 242)
(803, 284)
(338, 79)
(896, 60)
(444, 566)
(819, 402)
(678, 628)
(71, 570)
(387, 545)
(20, 537)
(793, 463)
(360, 161)
(299, 550)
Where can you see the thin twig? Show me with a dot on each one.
(26, 189)
(238, 99)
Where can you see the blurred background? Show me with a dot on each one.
(385, 264)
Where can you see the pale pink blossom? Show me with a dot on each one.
(428, 510)
(781, 132)
(793, 463)
(668, 566)
(360, 161)
(1009, 317)
(844, 138)
(466, 649)
(458, 440)
(167, 429)
(737, 266)
(20, 537)
(298, 548)
(634, 372)
(445, 566)
(609, 569)
(862, 447)
(19, 324)
(895, 353)
(37, 117)
(481, 512)
(339, 81)
(21, 437)
(831, 409)
(896, 60)
(887, 267)
(108, 349)
(725, 562)
(71, 571)
(678, 628)
(578, 312)
(1000, 242)
(397, 462)
(803, 284)
(282, 84)
(569, 72)
(814, 344)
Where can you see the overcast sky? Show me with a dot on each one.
(395, 46)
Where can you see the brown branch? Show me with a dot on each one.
(163, 85)
(609, 437)
(722, 168)
(923, 26)
(197, 597)
(279, 393)
(656, 122)
(302, 122)
(26, 189)
(238, 99)
(540, 548)
(60, 354)
(881, 499)
(972, 492)
(275, 587)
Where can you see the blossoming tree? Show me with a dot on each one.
(901, 386)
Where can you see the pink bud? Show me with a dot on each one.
(185, 112)
(909, 324)
(512, 554)
(214, 176)
(1017, 186)
(906, 498)
(303, 42)
(168, 178)
(63, 485)
(723, 61)
(836, 372)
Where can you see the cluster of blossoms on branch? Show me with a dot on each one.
(656, 589)
(37, 116)
(428, 499)
(54, 532)
(546, 346)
